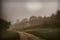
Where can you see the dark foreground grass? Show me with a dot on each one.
(10, 35)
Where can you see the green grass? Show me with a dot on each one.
(45, 33)
(10, 35)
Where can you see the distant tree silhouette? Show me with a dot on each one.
(33, 20)
(25, 20)
(52, 21)
(58, 15)
(40, 20)
(58, 18)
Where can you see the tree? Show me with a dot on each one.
(40, 20)
(58, 18)
(33, 20)
(24, 23)
(4, 24)
(24, 20)
(58, 15)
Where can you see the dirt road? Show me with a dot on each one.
(27, 36)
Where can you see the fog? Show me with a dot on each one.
(13, 10)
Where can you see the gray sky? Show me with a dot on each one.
(16, 9)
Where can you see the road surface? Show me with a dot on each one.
(27, 36)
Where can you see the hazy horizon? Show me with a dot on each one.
(17, 10)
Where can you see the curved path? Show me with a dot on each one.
(27, 36)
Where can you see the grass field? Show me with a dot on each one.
(45, 33)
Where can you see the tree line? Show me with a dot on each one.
(42, 22)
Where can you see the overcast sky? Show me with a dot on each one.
(15, 9)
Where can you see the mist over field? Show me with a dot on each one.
(30, 20)
(15, 9)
